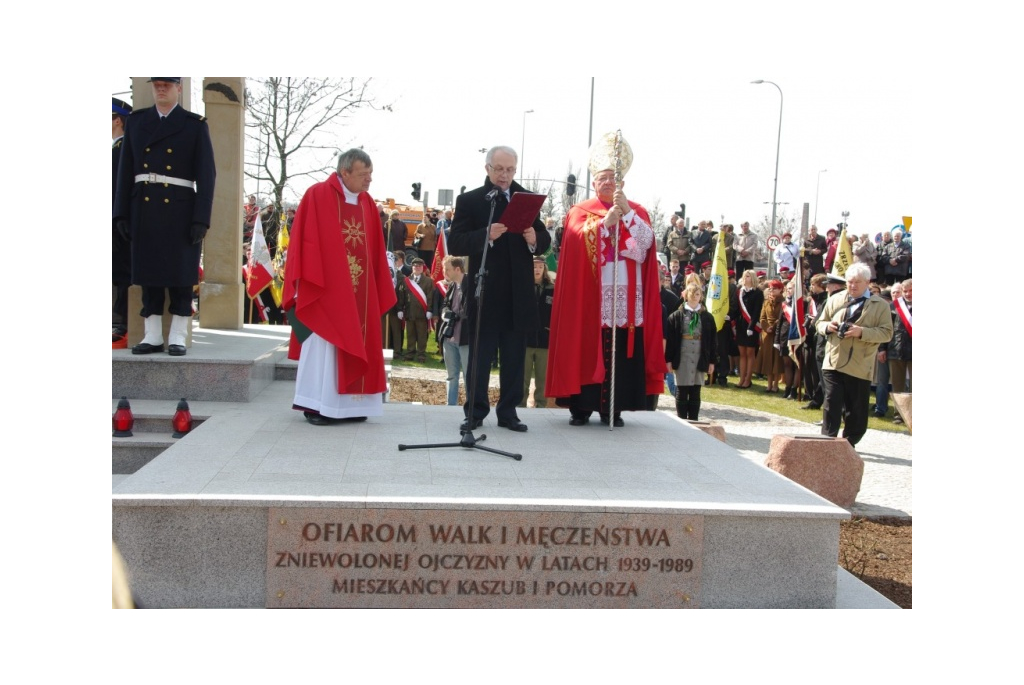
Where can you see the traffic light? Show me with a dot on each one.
(416, 191)
(462, 190)
(682, 210)
(570, 185)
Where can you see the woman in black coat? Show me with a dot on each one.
(748, 333)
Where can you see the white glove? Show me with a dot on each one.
(750, 332)
(429, 316)
(401, 315)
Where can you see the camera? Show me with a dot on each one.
(448, 321)
(843, 328)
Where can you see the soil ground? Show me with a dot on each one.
(878, 551)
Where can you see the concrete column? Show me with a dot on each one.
(221, 293)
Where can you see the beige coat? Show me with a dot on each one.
(855, 356)
(745, 242)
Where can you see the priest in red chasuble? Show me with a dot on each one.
(589, 278)
(337, 286)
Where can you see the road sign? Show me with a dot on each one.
(773, 242)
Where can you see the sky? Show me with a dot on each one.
(707, 139)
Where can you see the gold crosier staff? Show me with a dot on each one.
(615, 279)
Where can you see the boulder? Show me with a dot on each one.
(829, 467)
(712, 429)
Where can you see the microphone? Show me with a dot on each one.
(493, 194)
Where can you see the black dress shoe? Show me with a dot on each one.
(619, 423)
(176, 350)
(146, 348)
(353, 419)
(576, 421)
(465, 427)
(811, 405)
(513, 425)
(319, 419)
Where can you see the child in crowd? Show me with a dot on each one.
(690, 350)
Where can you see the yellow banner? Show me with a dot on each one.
(844, 255)
(717, 299)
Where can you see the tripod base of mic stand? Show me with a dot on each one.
(468, 441)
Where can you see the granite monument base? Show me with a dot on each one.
(258, 508)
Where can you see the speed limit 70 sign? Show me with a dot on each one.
(773, 241)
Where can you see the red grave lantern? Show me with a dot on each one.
(123, 419)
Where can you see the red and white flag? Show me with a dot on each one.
(261, 270)
(440, 252)
(797, 312)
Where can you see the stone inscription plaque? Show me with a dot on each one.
(398, 558)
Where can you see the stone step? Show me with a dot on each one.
(286, 369)
(220, 366)
(151, 435)
(131, 454)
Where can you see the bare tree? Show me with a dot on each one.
(287, 115)
(784, 223)
(657, 218)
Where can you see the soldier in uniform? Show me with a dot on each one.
(163, 204)
(121, 260)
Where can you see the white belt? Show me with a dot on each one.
(158, 178)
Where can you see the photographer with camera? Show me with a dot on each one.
(452, 334)
(854, 324)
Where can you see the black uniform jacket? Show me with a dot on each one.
(161, 214)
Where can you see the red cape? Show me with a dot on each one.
(322, 293)
(574, 350)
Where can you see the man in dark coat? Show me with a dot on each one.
(700, 245)
(815, 248)
(121, 260)
(396, 231)
(897, 353)
(509, 303)
(163, 205)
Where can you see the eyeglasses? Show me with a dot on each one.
(511, 171)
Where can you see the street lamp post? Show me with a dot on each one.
(522, 146)
(778, 144)
(590, 132)
(816, 189)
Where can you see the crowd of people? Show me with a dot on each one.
(623, 318)
(755, 341)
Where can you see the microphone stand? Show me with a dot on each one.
(469, 441)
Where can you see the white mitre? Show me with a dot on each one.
(602, 154)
